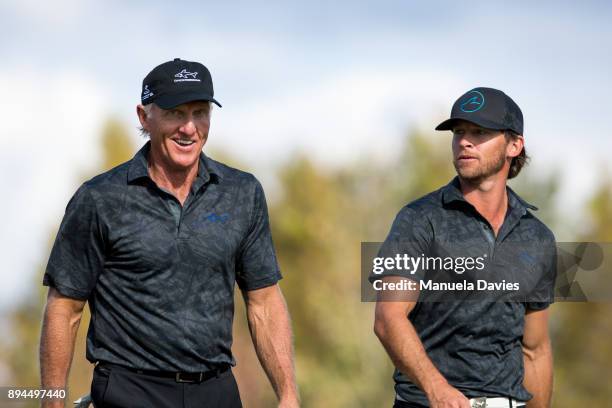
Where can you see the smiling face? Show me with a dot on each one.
(178, 134)
(480, 153)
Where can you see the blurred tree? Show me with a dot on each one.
(117, 146)
(582, 332)
(318, 222)
(316, 231)
(20, 348)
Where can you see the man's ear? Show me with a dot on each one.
(142, 116)
(515, 146)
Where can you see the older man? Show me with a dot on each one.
(155, 246)
(481, 341)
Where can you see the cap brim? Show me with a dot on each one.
(172, 101)
(449, 123)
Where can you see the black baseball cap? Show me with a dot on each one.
(486, 107)
(176, 82)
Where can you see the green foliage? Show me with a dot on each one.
(20, 349)
(318, 222)
(116, 144)
(582, 331)
(316, 228)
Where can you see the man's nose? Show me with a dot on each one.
(188, 127)
(464, 141)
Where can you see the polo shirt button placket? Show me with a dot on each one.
(177, 213)
(488, 231)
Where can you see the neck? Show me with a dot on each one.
(177, 181)
(489, 197)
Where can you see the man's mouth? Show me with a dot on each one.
(183, 142)
(465, 157)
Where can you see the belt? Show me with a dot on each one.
(486, 402)
(178, 376)
(495, 402)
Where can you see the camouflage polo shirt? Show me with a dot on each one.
(473, 337)
(159, 277)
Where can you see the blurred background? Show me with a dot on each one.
(332, 106)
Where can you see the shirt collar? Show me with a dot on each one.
(452, 192)
(138, 167)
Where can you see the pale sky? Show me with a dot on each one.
(337, 80)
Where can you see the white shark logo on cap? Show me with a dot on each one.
(185, 75)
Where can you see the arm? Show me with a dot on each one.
(61, 321)
(271, 333)
(400, 339)
(537, 358)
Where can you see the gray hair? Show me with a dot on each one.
(147, 110)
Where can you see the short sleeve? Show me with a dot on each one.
(77, 256)
(543, 294)
(411, 236)
(257, 266)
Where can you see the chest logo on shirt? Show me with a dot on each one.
(213, 217)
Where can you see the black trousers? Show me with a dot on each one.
(117, 387)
